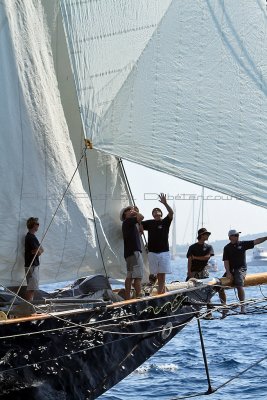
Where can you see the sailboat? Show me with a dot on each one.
(84, 85)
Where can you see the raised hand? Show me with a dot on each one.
(162, 198)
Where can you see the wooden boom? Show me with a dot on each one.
(250, 280)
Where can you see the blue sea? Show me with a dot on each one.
(232, 345)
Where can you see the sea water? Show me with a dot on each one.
(232, 345)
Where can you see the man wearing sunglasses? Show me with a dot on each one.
(32, 252)
(234, 257)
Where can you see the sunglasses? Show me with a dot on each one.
(235, 235)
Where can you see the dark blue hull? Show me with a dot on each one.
(83, 354)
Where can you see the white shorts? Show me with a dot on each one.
(160, 263)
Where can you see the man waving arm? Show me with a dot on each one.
(162, 199)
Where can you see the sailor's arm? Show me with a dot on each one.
(227, 269)
(162, 199)
(138, 216)
(189, 263)
(141, 229)
(39, 250)
(202, 258)
(260, 240)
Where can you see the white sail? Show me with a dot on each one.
(39, 155)
(178, 86)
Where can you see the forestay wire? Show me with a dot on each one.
(94, 217)
(211, 389)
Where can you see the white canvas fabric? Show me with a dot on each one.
(184, 82)
(41, 145)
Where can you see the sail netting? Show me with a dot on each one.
(178, 86)
(40, 151)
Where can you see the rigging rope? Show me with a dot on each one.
(131, 194)
(94, 217)
(91, 347)
(219, 308)
(46, 230)
(212, 390)
(252, 365)
(91, 325)
(72, 353)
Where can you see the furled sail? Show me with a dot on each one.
(178, 86)
(40, 153)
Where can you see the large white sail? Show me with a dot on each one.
(101, 174)
(39, 155)
(178, 86)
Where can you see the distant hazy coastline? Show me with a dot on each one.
(218, 245)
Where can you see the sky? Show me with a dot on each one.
(221, 212)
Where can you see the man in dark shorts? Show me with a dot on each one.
(198, 256)
(132, 250)
(234, 257)
(32, 252)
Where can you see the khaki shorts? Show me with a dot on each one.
(135, 265)
(32, 278)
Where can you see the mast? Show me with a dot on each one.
(202, 207)
(193, 222)
(200, 219)
(173, 252)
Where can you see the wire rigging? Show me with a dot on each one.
(47, 229)
(130, 193)
(94, 217)
(126, 335)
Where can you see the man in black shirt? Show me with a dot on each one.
(234, 257)
(32, 252)
(132, 250)
(158, 243)
(198, 256)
